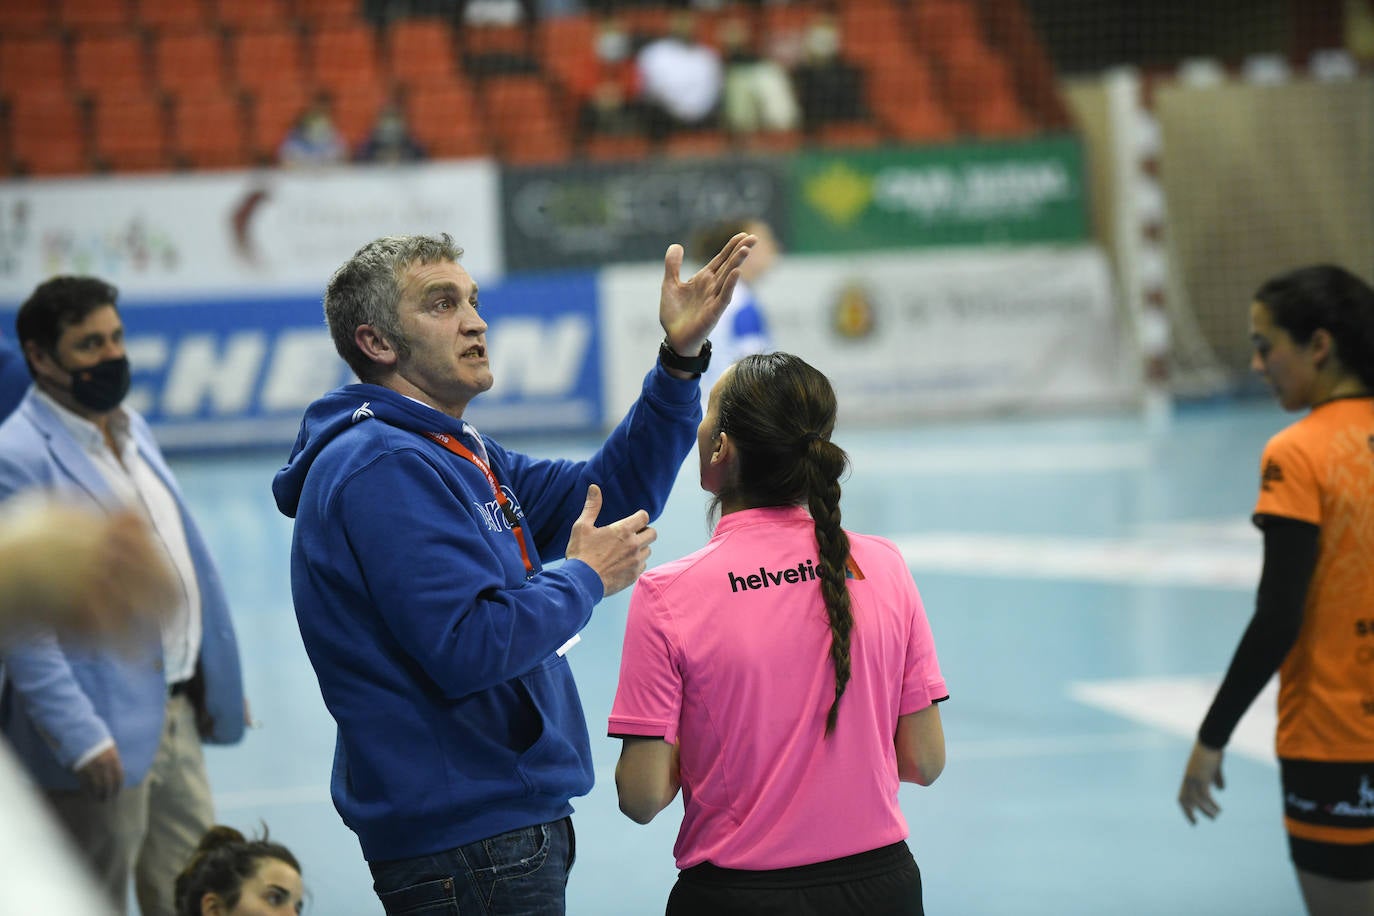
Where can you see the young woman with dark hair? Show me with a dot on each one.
(231, 875)
(784, 676)
(1313, 334)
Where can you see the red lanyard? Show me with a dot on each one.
(458, 448)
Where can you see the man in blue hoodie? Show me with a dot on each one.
(416, 572)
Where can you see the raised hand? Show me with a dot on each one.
(689, 310)
(618, 551)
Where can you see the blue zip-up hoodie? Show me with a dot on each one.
(435, 654)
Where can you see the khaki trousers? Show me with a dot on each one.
(149, 830)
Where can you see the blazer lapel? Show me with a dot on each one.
(69, 458)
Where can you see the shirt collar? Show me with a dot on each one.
(86, 433)
(766, 515)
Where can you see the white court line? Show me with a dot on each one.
(1004, 460)
(1148, 560)
(1176, 705)
(256, 798)
(1058, 746)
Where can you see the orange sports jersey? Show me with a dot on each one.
(1321, 470)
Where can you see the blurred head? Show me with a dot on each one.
(366, 290)
(73, 341)
(762, 257)
(229, 875)
(822, 39)
(391, 125)
(682, 25)
(734, 34)
(612, 41)
(1313, 334)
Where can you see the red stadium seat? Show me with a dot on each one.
(129, 134)
(47, 134)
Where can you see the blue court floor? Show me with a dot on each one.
(1087, 579)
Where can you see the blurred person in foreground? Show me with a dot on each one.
(90, 576)
(1313, 334)
(784, 677)
(231, 875)
(437, 634)
(113, 735)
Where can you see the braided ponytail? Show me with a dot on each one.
(780, 412)
(824, 504)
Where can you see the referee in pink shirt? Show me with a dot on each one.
(783, 676)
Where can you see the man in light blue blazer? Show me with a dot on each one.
(113, 735)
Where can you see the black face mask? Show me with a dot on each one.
(101, 387)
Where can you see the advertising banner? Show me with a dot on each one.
(212, 373)
(937, 333)
(592, 214)
(971, 194)
(237, 233)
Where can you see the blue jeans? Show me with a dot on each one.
(521, 873)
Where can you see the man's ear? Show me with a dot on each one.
(38, 358)
(211, 905)
(374, 345)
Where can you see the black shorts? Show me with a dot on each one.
(1328, 811)
(881, 882)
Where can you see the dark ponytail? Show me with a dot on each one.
(1326, 296)
(780, 412)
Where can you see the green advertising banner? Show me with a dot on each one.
(968, 194)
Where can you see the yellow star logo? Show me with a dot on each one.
(839, 192)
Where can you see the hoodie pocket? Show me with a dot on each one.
(558, 762)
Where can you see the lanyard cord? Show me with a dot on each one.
(458, 448)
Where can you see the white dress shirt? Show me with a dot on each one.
(135, 484)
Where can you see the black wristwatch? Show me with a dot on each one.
(671, 359)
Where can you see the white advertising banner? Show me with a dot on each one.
(243, 232)
(909, 335)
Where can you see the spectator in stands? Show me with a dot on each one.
(681, 78)
(390, 140)
(605, 93)
(829, 87)
(758, 92)
(314, 140)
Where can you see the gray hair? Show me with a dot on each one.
(367, 290)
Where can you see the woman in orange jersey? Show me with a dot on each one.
(1313, 333)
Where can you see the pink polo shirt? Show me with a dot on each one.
(727, 655)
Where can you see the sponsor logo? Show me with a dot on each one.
(854, 313)
(804, 571)
(840, 192)
(1362, 807)
(1273, 473)
(497, 517)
